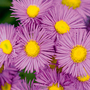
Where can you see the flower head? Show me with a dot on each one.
(7, 43)
(80, 6)
(49, 79)
(61, 20)
(73, 52)
(34, 49)
(13, 85)
(81, 82)
(22, 85)
(7, 72)
(30, 10)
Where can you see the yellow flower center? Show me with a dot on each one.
(33, 11)
(6, 86)
(6, 46)
(1, 69)
(72, 3)
(62, 27)
(78, 54)
(32, 48)
(83, 79)
(55, 87)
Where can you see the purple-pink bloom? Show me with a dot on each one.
(73, 53)
(7, 43)
(7, 72)
(13, 85)
(83, 84)
(48, 78)
(80, 6)
(21, 85)
(64, 18)
(20, 8)
(34, 48)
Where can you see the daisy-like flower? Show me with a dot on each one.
(30, 10)
(61, 20)
(13, 85)
(51, 80)
(81, 82)
(22, 85)
(73, 53)
(80, 6)
(34, 49)
(6, 74)
(7, 43)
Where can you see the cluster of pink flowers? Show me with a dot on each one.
(52, 39)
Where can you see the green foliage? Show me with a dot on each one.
(5, 3)
(29, 76)
(5, 13)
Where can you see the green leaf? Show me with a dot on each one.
(29, 76)
(5, 3)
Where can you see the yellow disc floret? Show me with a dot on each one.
(32, 48)
(72, 3)
(6, 86)
(55, 87)
(6, 46)
(2, 68)
(78, 53)
(33, 11)
(84, 78)
(62, 27)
